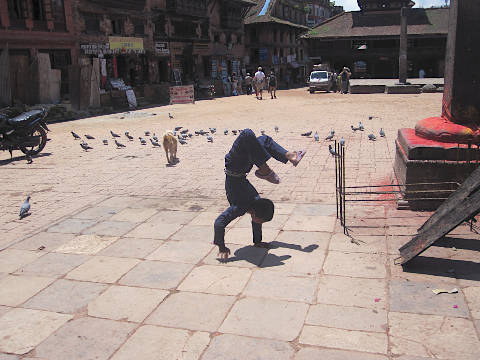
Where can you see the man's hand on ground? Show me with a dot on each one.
(224, 253)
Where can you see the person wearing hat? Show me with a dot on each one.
(259, 80)
(248, 83)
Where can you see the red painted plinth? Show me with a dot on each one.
(442, 130)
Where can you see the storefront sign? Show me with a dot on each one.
(214, 69)
(95, 49)
(182, 95)
(125, 45)
(161, 48)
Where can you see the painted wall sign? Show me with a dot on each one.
(126, 44)
(182, 95)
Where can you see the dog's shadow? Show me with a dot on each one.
(169, 164)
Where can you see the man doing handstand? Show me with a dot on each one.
(246, 151)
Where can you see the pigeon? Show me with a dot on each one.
(213, 130)
(360, 126)
(332, 152)
(29, 159)
(85, 146)
(307, 133)
(262, 132)
(184, 131)
(154, 143)
(354, 128)
(181, 141)
(119, 145)
(175, 133)
(225, 132)
(370, 117)
(25, 208)
(234, 132)
(113, 134)
(89, 137)
(75, 136)
(130, 137)
(170, 116)
(184, 136)
(190, 135)
(330, 137)
(142, 141)
(382, 133)
(372, 137)
(276, 128)
(177, 128)
(147, 133)
(342, 141)
(209, 139)
(316, 137)
(155, 138)
(105, 142)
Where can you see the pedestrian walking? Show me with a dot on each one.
(248, 83)
(272, 85)
(248, 150)
(345, 80)
(259, 80)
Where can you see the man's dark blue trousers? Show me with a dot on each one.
(246, 151)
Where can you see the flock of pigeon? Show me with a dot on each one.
(330, 137)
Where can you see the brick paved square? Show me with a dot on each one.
(85, 338)
(310, 223)
(17, 289)
(366, 244)
(241, 256)
(347, 291)
(192, 311)
(355, 264)
(126, 303)
(4, 309)
(159, 343)
(96, 213)
(273, 285)
(347, 317)
(13, 259)
(472, 294)
(66, 296)
(433, 335)
(195, 233)
(86, 244)
(21, 330)
(236, 347)
(150, 230)
(134, 215)
(344, 339)
(276, 223)
(53, 265)
(50, 241)
(173, 217)
(8, 357)
(417, 297)
(331, 354)
(265, 318)
(181, 251)
(156, 274)
(315, 209)
(221, 280)
(111, 228)
(102, 269)
(117, 202)
(72, 226)
(131, 248)
(244, 236)
(207, 218)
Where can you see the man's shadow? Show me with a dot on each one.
(260, 257)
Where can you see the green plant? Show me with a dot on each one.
(306, 9)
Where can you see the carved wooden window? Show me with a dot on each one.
(58, 14)
(117, 26)
(92, 23)
(139, 26)
(38, 10)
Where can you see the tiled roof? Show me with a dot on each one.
(358, 24)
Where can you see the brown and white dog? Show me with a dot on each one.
(170, 146)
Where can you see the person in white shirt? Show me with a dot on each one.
(259, 80)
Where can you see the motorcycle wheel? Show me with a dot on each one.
(34, 150)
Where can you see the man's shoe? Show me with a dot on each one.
(272, 177)
(300, 155)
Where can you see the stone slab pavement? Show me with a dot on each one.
(116, 259)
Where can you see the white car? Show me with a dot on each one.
(319, 80)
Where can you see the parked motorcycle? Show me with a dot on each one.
(26, 132)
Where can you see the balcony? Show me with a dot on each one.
(123, 4)
(195, 8)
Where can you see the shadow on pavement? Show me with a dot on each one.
(460, 269)
(23, 158)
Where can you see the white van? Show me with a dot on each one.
(319, 80)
